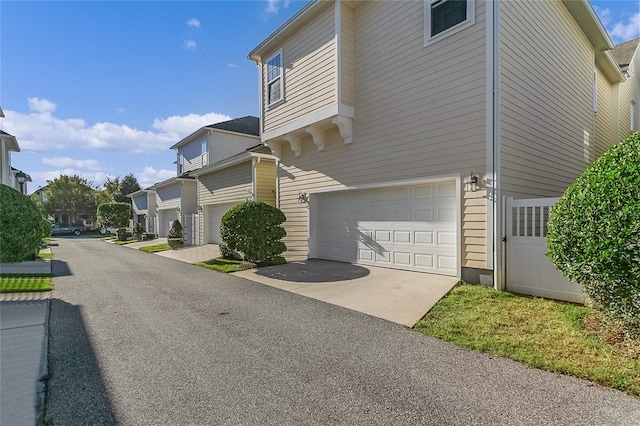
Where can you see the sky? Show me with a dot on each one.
(105, 88)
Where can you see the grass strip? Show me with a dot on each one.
(156, 248)
(540, 333)
(121, 243)
(45, 255)
(223, 265)
(25, 283)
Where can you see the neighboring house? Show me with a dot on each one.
(67, 215)
(247, 176)
(20, 179)
(8, 144)
(400, 126)
(144, 208)
(208, 147)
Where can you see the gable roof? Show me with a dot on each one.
(623, 52)
(12, 142)
(248, 125)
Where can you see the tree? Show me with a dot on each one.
(22, 225)
(594, 232)
(116, 190)
(70, 195)
(254, 229)
(114, 215)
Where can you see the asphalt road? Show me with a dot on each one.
(140, 339)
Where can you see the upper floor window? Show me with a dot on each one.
(445, 17)
(274, 79)
(180, 163)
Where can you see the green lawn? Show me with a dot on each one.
(223, 265)
(156, 248)
(121, 243)
(553, 336)
(45, 255)
(18, 283)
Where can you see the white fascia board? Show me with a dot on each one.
(229, 132)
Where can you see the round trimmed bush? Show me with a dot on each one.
(175, 239)
(254, 229)
(21, 226)
(594, 232)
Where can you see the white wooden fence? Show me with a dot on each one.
(528, 271)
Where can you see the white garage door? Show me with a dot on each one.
(165, 219)
(214, 216)
(408, 227)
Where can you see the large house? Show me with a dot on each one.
(400, 127)
(217, 167)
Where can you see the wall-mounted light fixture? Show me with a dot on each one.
(200, 208)
(21, 177)
(303, 198)
(473, 182)
(178, 210)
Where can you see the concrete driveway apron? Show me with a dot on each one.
(399, 296)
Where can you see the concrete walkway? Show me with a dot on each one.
(398, 296)
(192, 254)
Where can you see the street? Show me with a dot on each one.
(138, 339)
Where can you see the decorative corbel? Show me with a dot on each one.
(317, 134)
(345, 125)
(295, 143)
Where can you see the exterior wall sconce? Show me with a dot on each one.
(200, 208)
(473, 182)
(303, 198)
(178, 210)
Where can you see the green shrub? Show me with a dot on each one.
(594, 233)
(114, 215)
(138, 231)
(175, 237)
(21, 226)
(148, 237)
(253, 229)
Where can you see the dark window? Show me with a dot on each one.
(446, 14)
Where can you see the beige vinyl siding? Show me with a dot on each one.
(222, 145)
(630, 91)
(265, 175)
(189, 200)
(232, 184)
(168, 197)
(151, 204)
(474, 228)
(309, 64)
(347, 55)
(604, 135)
(547, 118)
(420, 112)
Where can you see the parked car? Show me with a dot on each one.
(107, 231)
(67, 229)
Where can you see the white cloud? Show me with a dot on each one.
(149, 176)
(193, 22)
(623, 31)
(120, 110)
(40, 178)
(604, 15)
(273, 6)
(68, 162)
(186, 124)
(42, 131)
(190, 45)
(232, 66)
(41, 105)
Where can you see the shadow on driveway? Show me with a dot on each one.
(76, 392)
(310, 271)
(60, 268)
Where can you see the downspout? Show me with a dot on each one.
(497, 202)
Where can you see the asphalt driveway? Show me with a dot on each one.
(141, 339)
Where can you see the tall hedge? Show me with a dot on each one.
(594, 232)
(22, 226)
(254, 229)
(114, 214)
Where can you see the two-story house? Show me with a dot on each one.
(8, 144)
(400, 126)
(217, 167)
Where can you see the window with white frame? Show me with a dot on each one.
(275, 90)
(180, 163)
(445, 17)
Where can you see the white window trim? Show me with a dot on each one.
(281, 77)
(428, 39)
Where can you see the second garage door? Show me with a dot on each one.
(410, 227)
(214, 216)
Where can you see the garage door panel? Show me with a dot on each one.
(409, 227)
(214, 214)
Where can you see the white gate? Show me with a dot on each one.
(528, 271)
(190, 227)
